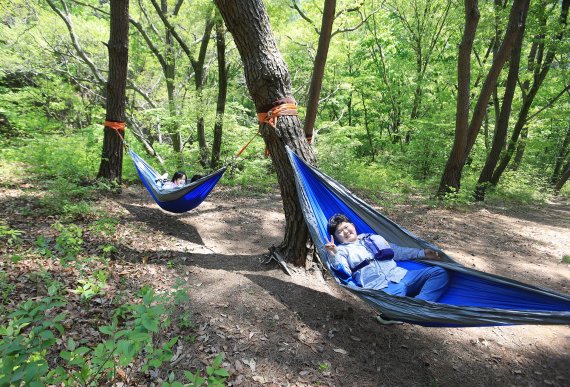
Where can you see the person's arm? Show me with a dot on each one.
(407, 253)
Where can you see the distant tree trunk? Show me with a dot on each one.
(560, 157)
(452, 175)
(521, 146)
(222, 93)
(111, 166)
(563, 179)
(500, 136)
(319, 67)
(540, 70)
(268, 81)
(451, 179)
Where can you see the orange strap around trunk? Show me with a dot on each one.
(115, 125)
(286, 109)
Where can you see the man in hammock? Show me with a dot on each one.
(370, 259)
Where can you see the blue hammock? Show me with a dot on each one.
(179, 199)
(473, 298)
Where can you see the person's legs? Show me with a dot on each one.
(427, 284)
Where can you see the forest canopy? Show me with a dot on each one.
(386, 116)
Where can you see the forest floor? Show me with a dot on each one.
(303, 330)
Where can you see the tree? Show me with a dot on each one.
(111, 166)
(500, 136)
(540, 69)
(465, 136)
(268, 82)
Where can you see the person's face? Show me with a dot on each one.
(180, 180)
(345, 232)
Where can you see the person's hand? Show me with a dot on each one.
(330, 246)
(431, 254)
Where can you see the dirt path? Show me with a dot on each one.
(303, 330)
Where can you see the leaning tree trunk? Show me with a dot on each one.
(319, 67)
(268, 81)
(563, 179)
(500, 137)
(451, 177)
(111, 166)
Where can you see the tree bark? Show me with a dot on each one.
(500, 137)
(319, 67)
(563, 179)
(560, 157)
(268, 82)
(111, 166)
(451, 178)
(222, 93)
(540, 71)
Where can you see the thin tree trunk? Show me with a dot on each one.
(222, 93)
(451, 178)
(540, 72)
(563, 179)
(560, 157)
(500, 136)
(111, 166)
(268, 81)
(319, 67)
(521, 146)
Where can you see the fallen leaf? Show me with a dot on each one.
(340, 350)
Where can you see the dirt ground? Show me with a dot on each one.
(303, 330)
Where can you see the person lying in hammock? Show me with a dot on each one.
(178, 180)
(371, 261)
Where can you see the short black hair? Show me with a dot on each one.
(335, 220)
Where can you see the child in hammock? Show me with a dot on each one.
(178, 180)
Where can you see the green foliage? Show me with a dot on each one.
(6, 289)
(10, 236)
(69, 242)
(26, 339)
(566, 259)
(92, 285)
(135, 334)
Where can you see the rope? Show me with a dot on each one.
(246, 145)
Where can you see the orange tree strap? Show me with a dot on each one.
(118, 127)
(285, 109)
(115, 125)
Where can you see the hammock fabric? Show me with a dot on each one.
(473, 298)
(179, 199)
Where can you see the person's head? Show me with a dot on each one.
(196, 177)
(179, 178)
(341, 228)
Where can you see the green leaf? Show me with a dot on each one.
(222, 372)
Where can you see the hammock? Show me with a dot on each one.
(178, 199)
(473, 298)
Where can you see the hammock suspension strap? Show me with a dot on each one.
(272, 115)
(119, 128)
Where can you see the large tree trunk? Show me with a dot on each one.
(451, 178)
(222, 93)
(268, 81)
(111, 166)
(500, 137)
(319, 67)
